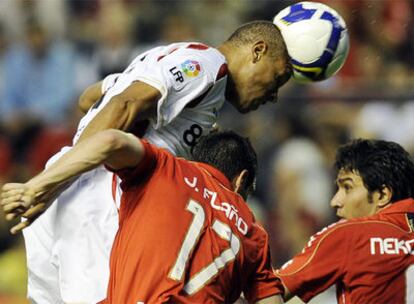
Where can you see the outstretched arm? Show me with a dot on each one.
(317, 267)
(113, 148)
(135, 102)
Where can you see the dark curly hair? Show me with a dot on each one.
(379, 163)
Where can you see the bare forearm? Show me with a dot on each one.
(118, 114)
(114, 148)
(32, 198)
(137, 102)
(111, 147)
(81, 158)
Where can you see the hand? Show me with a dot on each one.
(15, 199)
(20, 200)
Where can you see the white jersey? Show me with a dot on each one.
(68, 247)
(191, 78)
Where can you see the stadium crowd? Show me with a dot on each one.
(50, 51)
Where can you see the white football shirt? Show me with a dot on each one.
(191, 78)
(68, 247)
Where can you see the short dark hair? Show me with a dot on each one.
(266, 30)
(379, 163)
(228, 152)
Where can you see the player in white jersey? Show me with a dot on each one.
(178, 90)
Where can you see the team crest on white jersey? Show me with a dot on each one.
(191, 68)
(186, 70)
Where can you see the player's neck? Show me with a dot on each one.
(226, 50)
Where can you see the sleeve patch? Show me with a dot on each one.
(184, 72)
(191, 68)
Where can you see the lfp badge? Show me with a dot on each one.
(191, 68)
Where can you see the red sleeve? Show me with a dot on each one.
(144, 169)
(263, 283)
(319, 265)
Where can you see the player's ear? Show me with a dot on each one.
(239, 183)
(259, 48)
(384, 196)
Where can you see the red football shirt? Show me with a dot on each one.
(371, 259)
(185, 237)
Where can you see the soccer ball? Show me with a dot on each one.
(316, 38)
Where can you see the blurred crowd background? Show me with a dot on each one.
(51, 50)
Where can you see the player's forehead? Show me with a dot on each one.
(350, 176)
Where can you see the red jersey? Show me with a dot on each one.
(185, 237)
(370, 259)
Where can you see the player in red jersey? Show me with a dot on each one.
(369, 254)
(171, 95)
(184, 236)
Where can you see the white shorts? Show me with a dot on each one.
(43, 283)
(68, 247)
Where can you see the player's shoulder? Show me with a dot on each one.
(193, 58)
(200, 50)
(351, 229)
(368, 223)
(158, 154)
